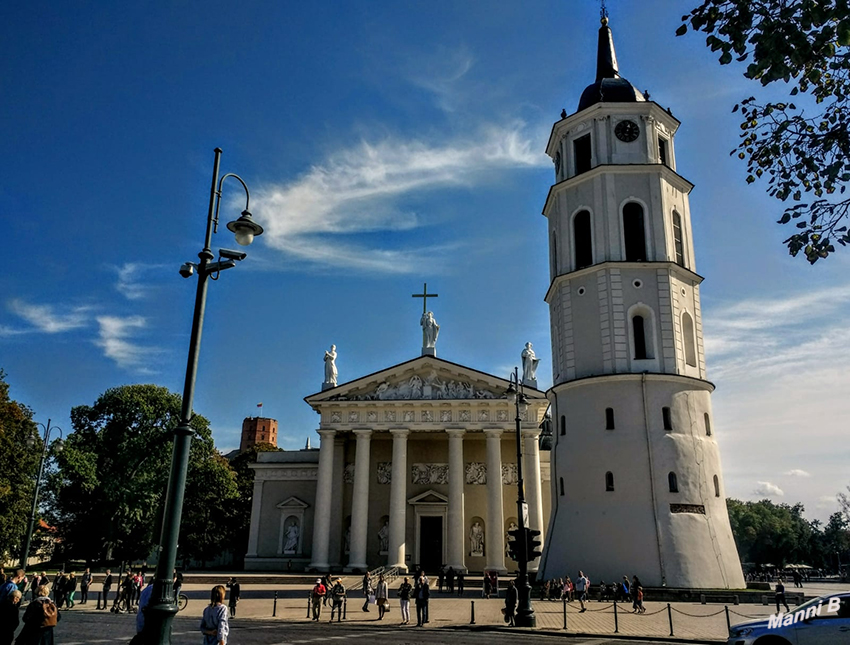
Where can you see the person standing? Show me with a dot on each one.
(450, 579)
(214, 625)
(39, 619)
(10, 617)
(11, 584)
(382, 597)
(582, 585)
(85, 583)
(70, 590)
(441, 577)
(460, 577)
(178, 583)
(59, 589)
(316, 596)
(235, 592)
(511, 602)
(780, 595)
(337, 599)
(422, 592)
(107, 585)
(367, 590)
(404, 592)
(486, 586)
(144, 599)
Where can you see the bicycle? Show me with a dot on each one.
(182, 601)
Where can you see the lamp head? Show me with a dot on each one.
(510, 393)
(245, 229)
(31, 441)
(523, 404)
(58, 446)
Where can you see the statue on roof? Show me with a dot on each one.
(430, 330)
(330, 368)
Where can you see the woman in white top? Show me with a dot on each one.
(382, 597)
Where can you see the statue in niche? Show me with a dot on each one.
(476, 540)
(291, 537)
(529, 364)
(330, 366)
(430, 329)
(509, 538)
(384, 538)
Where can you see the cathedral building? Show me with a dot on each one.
(636, 482)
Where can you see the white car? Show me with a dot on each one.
(822, 621)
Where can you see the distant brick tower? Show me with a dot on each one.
(258, 430)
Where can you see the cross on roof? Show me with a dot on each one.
(424, 295)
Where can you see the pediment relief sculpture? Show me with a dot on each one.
(426, 387)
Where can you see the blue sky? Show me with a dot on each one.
(386, 144)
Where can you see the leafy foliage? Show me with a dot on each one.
(803, 43)
(18, 471)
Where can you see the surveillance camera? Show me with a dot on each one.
(187, 270)
(232, 255)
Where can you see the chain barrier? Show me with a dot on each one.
(684, 613)
(732, 611)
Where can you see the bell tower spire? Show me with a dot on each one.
(606, 56)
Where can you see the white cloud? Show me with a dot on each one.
(114, 338)
(356, 191)
(47, 319)
(766, 489)
(797, 472)
(130, 283)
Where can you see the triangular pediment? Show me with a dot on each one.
(429, 497)
(293, 502)
(426, 378)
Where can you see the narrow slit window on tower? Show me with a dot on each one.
(634, 235)
(639, 332)
(662, 150)
(609, 418)
(581, 148)
(554, 253)
(562, 485)
(668, 420)
(582, 240)
(690, 341)
(677, 239)
(716, 486)
(673, 482)
(563, 425)
(707, 424)
(609, 481)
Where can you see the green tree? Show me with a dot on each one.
(804, 150)
(769, 533)
(245, 483)
(112, 474)
(18, 465)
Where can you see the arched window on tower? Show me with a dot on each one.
(667, 418)
(634, 234)
(689, 339)
(716, 486)
(707, 424)
(677, 239)
(639, 332)
(563, 425)
(609, 481)
(582, 240)
(673, 483)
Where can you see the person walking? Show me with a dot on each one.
(317, 595)
(144, 600)
(214, 625)
(633, 593)
(337, 600)
(511, 602)
(107, 585)
(367, 590)
(178, 583)
(39, 619)
(85, 583)
(235, 592)
(382, 598)
(780, 595)
(326, 580)
(582, 585)
(10, 616)
(11, 584)
(485, 587)
(404, 592)
(70, 590)
(59, 591)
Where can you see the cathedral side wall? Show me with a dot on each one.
(275, 492)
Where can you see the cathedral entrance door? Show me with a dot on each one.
(431, 543)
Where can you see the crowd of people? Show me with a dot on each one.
(579, 589)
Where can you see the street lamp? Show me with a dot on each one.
(525, 612)
(160, 613)
(57, 448)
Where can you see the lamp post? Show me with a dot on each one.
(57, 447)
(525, 612)
(160, 613)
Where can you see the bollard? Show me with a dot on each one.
(736, 599)
(308, 606)
(565, 613)
(728, 624)
(616, 621)
(344, 608)
(702, 598)
(471, 612)
(274, 609)
(670, 618)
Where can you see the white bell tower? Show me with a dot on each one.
(637, 486)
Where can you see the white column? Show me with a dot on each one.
(256, 509)
(494, 545)
(360, 501)
(398, 501)
(531, 475)
(324, 489)
(456, 537)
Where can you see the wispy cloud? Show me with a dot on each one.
(797, 472)
(357, 191)
(114, 337)
(129, 283)
(445, 71)
(50, 319)
(766, 489)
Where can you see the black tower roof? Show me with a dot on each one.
(609, 87)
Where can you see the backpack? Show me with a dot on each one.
(50, 615)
